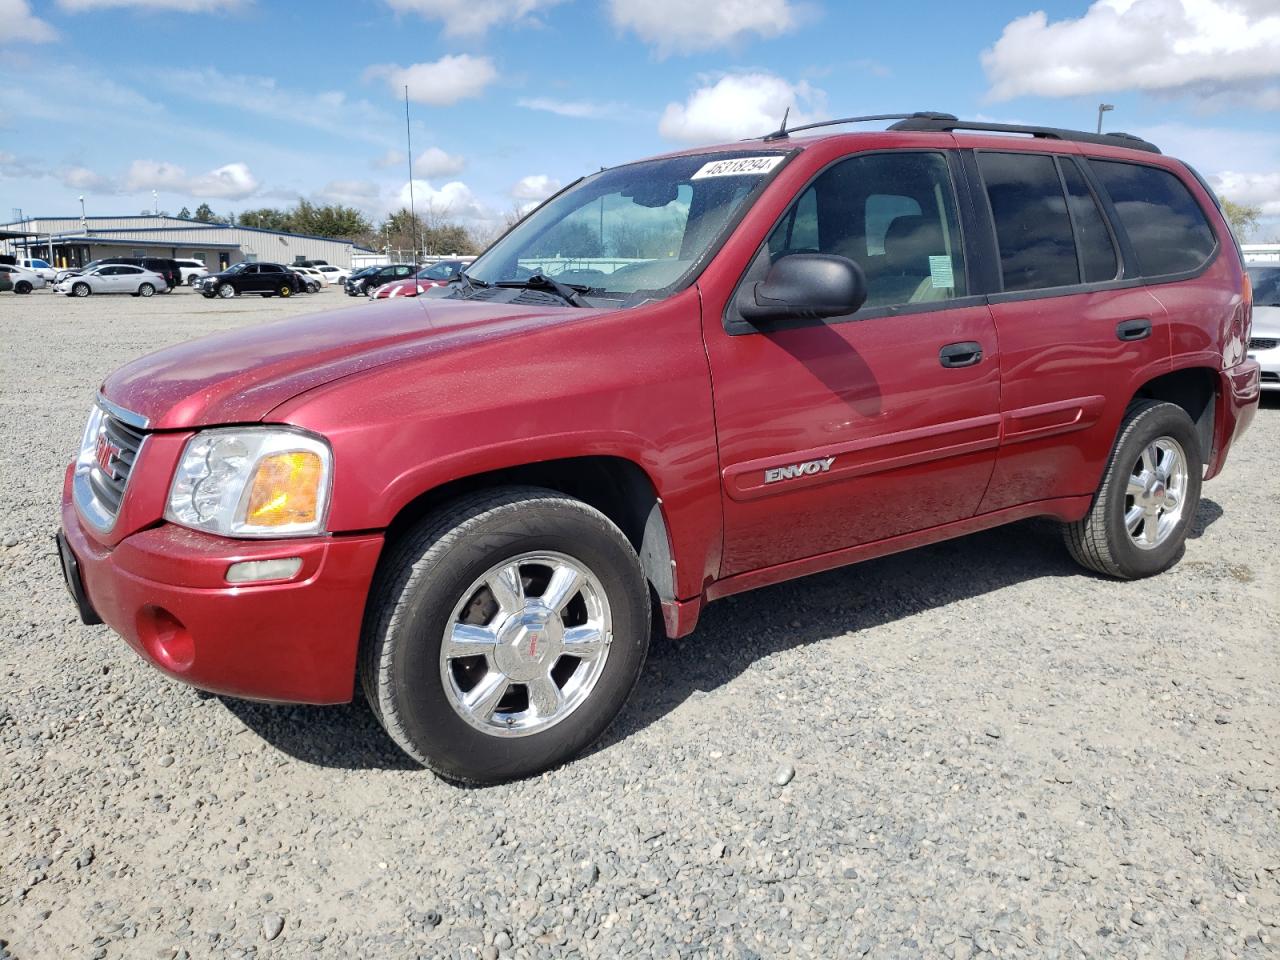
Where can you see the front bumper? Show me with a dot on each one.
(164, 590)
(1269, 361)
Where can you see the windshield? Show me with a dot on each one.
(1266, 286)
(632, 233)
(439, 271)
(40, 263)
(237, 267)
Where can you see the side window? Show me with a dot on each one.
(1097, 250)
(271, 268)
(1033, 229)
(894, 214)
(1166, 226)
(252, 269)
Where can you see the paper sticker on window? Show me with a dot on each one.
(738, 167)
(941, 273)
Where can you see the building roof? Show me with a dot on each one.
(176, 223)
(67, 239)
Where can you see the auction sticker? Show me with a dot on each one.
(739, 167)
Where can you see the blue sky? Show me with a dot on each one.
(258, 102)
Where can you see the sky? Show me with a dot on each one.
(251, 103)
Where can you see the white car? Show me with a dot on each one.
(1264, 342)
(193, 271)
(40, 267)
(113, 278)
(333, 274)
(24, 280)
(313, 277)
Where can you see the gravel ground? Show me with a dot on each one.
(970, 749)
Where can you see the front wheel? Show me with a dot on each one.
(80, 290)
(1137, 526)
(226, 291)
(504, 634)
(146, 290)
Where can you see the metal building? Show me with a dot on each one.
(74, 241)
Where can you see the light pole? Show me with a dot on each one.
(155, 203)
(84, 225)
(1104, 108)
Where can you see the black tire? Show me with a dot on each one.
(22, 287)
(286, 290)
(226, 291)
(146, 290)
(81, 290)
(423, 576)
(1101, 542)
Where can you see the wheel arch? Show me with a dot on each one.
(619, 488)
(1195, 389)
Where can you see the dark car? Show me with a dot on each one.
(360, 284)
(264, 279)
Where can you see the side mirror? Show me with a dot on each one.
(805, 286)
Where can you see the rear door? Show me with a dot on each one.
(1078, 333)
(841, 432)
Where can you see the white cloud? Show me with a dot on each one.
(442, 82)
(234, 181)
(178, 6)
(581, 109)
(740, 105)
(1179, 47)
(434, 162)
(85, 180)
(19, 25)
(535, 187)
(1256, 189)
(392, 158)
(352, 193)
(684, 26)
(453, 201)
(472, 17)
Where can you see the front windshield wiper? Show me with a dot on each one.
(471, 282)
(570, 293)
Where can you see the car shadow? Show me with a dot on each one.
(732, 634)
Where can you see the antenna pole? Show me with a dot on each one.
(413, 213)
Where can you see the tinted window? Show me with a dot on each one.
(1093, 240)
(1032, 226)
(1166, 226)
(894, 214)
(1266, 286)
(271, 268)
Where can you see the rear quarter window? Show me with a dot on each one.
(1168, 229)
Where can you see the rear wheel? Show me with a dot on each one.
(80, 290)
(1137, 526)
(146, 290)
(504, 634)
(285, 290)
(22, 286)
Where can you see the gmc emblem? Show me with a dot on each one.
(107, 453)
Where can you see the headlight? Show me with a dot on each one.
(252, 482)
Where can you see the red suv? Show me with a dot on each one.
(677, 380)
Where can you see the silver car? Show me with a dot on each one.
(1264, 342)
(113, 278)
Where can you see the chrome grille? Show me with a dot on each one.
(112, 440)
(1263, 343)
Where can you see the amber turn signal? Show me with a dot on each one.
(285, 490)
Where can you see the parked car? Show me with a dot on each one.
(439, 274)
(1264, 345)
(23, 280)
(193, 271)
(166, 267)
(5, 283)
(361, 284)
(74, 271)
(312, 263)
(39, 267)
(912, 334)
(264, 279)
(113, 278)
(334, 275)
(312, 277)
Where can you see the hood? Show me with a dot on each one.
(1266, 322)
(242, 375)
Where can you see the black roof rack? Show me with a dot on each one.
(948, 124)
(783, 131)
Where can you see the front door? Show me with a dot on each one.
(842, 432)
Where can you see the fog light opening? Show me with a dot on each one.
(256, 571)
(167, 639)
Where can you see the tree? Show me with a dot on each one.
(205, 214)
(184, 214)
(1243, 217)
(267, 218)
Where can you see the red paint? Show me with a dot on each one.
(419, 392)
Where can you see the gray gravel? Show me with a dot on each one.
(969, 749)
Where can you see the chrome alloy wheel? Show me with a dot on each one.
(1156, 493)
(526, 644)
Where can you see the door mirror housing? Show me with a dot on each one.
(805, 286)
